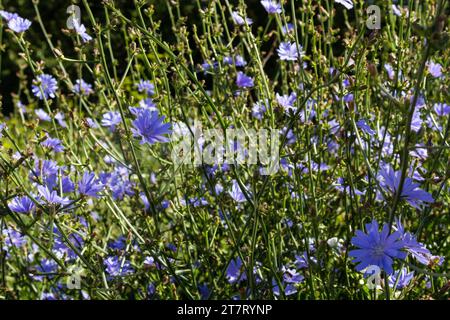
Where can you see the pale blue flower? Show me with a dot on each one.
(240, 20)
(19, 24)
(80, 29)
(111, 119)
(271, 6)
(435, 69)
(44, 86)
(289, 51)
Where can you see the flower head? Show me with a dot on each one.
(19, 24)
(244, 81)
(2, 127)
(12, 238)
(89, 185)
(287, 101)
(21, 204)
(289, 51)
(239, 61)
(258, 110)
(82, 88)
(435, 69)
(44, 86)
(401, 277)
(417, 249)
(390, 181)
(150, 127)
(53, 144)
(235, 272)
(111, 119)
(42, 115)
(116, 266)
(60, 118)
(52, 197)
(442, 109)
(146, 86)
(377, 248)
(287, 28)
(236, 192)
(240, 20)
(80, 29)
(271, 6)
(362, 124)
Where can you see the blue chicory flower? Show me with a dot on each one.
(150, 127)
(271, 6)
(21, 204)
(289, 51)
(111, 119)
(19, 24)
(244, 81)
(89, 185)
(44, 86)
(377, 248)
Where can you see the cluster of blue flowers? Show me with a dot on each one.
(90, 181)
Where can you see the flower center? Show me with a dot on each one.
(378, 250)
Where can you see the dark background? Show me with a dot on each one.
(54, 16)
